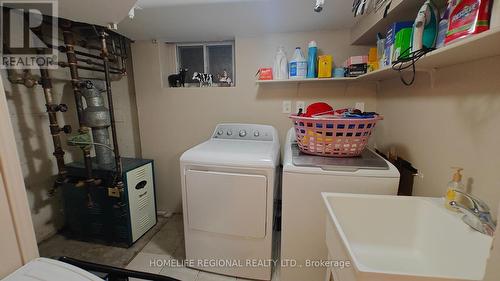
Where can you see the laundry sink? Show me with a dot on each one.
(401, 238)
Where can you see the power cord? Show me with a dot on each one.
(408, 59)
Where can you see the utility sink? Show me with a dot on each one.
(401, 239)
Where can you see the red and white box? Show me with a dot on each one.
(355, 60)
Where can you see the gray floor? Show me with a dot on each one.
(58, 245)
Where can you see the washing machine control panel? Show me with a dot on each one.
(245, 132)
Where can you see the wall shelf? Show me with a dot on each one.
(307, 80)
(480, 46)
(365, 31)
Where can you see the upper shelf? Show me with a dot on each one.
(365, 31)
(480, 46)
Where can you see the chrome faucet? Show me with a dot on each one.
(478, 217)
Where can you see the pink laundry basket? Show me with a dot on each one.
(331, 136)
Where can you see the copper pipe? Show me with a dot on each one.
(123, 49)
(26, 79)
(91, 62)
(55, 130)
(89, 68)
(104, 55)
(69, 41)
(87, 45)
(62, 49)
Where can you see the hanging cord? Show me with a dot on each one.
(408, 59)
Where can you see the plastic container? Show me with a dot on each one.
(443, 27)
(298, 65)
(325, 64)
(451, 195)
(468, 17)
(333, 137)
(339, 72)
(381, 51)
(280, 69)
(312, 60)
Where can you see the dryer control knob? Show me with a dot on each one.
(229, 133)
(220, 132)
(243, 133)
(256, 133)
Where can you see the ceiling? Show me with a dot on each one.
(95, 11)
(215, 20)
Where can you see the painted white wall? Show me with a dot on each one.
(18, 243)
(495, 15)
(454, 123)
(173, 120)
(31, 127)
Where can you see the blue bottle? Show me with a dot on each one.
(312, 60)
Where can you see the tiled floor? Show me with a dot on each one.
(168, 244)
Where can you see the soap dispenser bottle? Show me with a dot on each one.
(451, 194)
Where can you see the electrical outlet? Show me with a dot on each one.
(287, 107)
(360, 106)
(300, 105)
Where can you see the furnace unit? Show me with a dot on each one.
(93, 215)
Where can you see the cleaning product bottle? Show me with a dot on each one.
(280, 69)
(443, 26)
(298, 65)
(312, 60)
(451, 194)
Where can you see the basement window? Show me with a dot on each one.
(207, 64)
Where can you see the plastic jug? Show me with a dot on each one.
(298, 65)
(280, 69)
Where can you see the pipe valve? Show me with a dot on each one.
(57, 107)
(63, 107)
(67, 129)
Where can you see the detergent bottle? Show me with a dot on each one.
(280, 69)
(298, 65)
(312, 60)
(443, 26)
(468, 17)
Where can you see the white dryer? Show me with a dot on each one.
(228, 186)
(303, 213)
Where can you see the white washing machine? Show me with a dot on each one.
(43, 269)
(303, 213)
(228, 186)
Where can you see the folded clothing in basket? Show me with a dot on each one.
(360, 115)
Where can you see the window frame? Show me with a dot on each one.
(206, 62)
